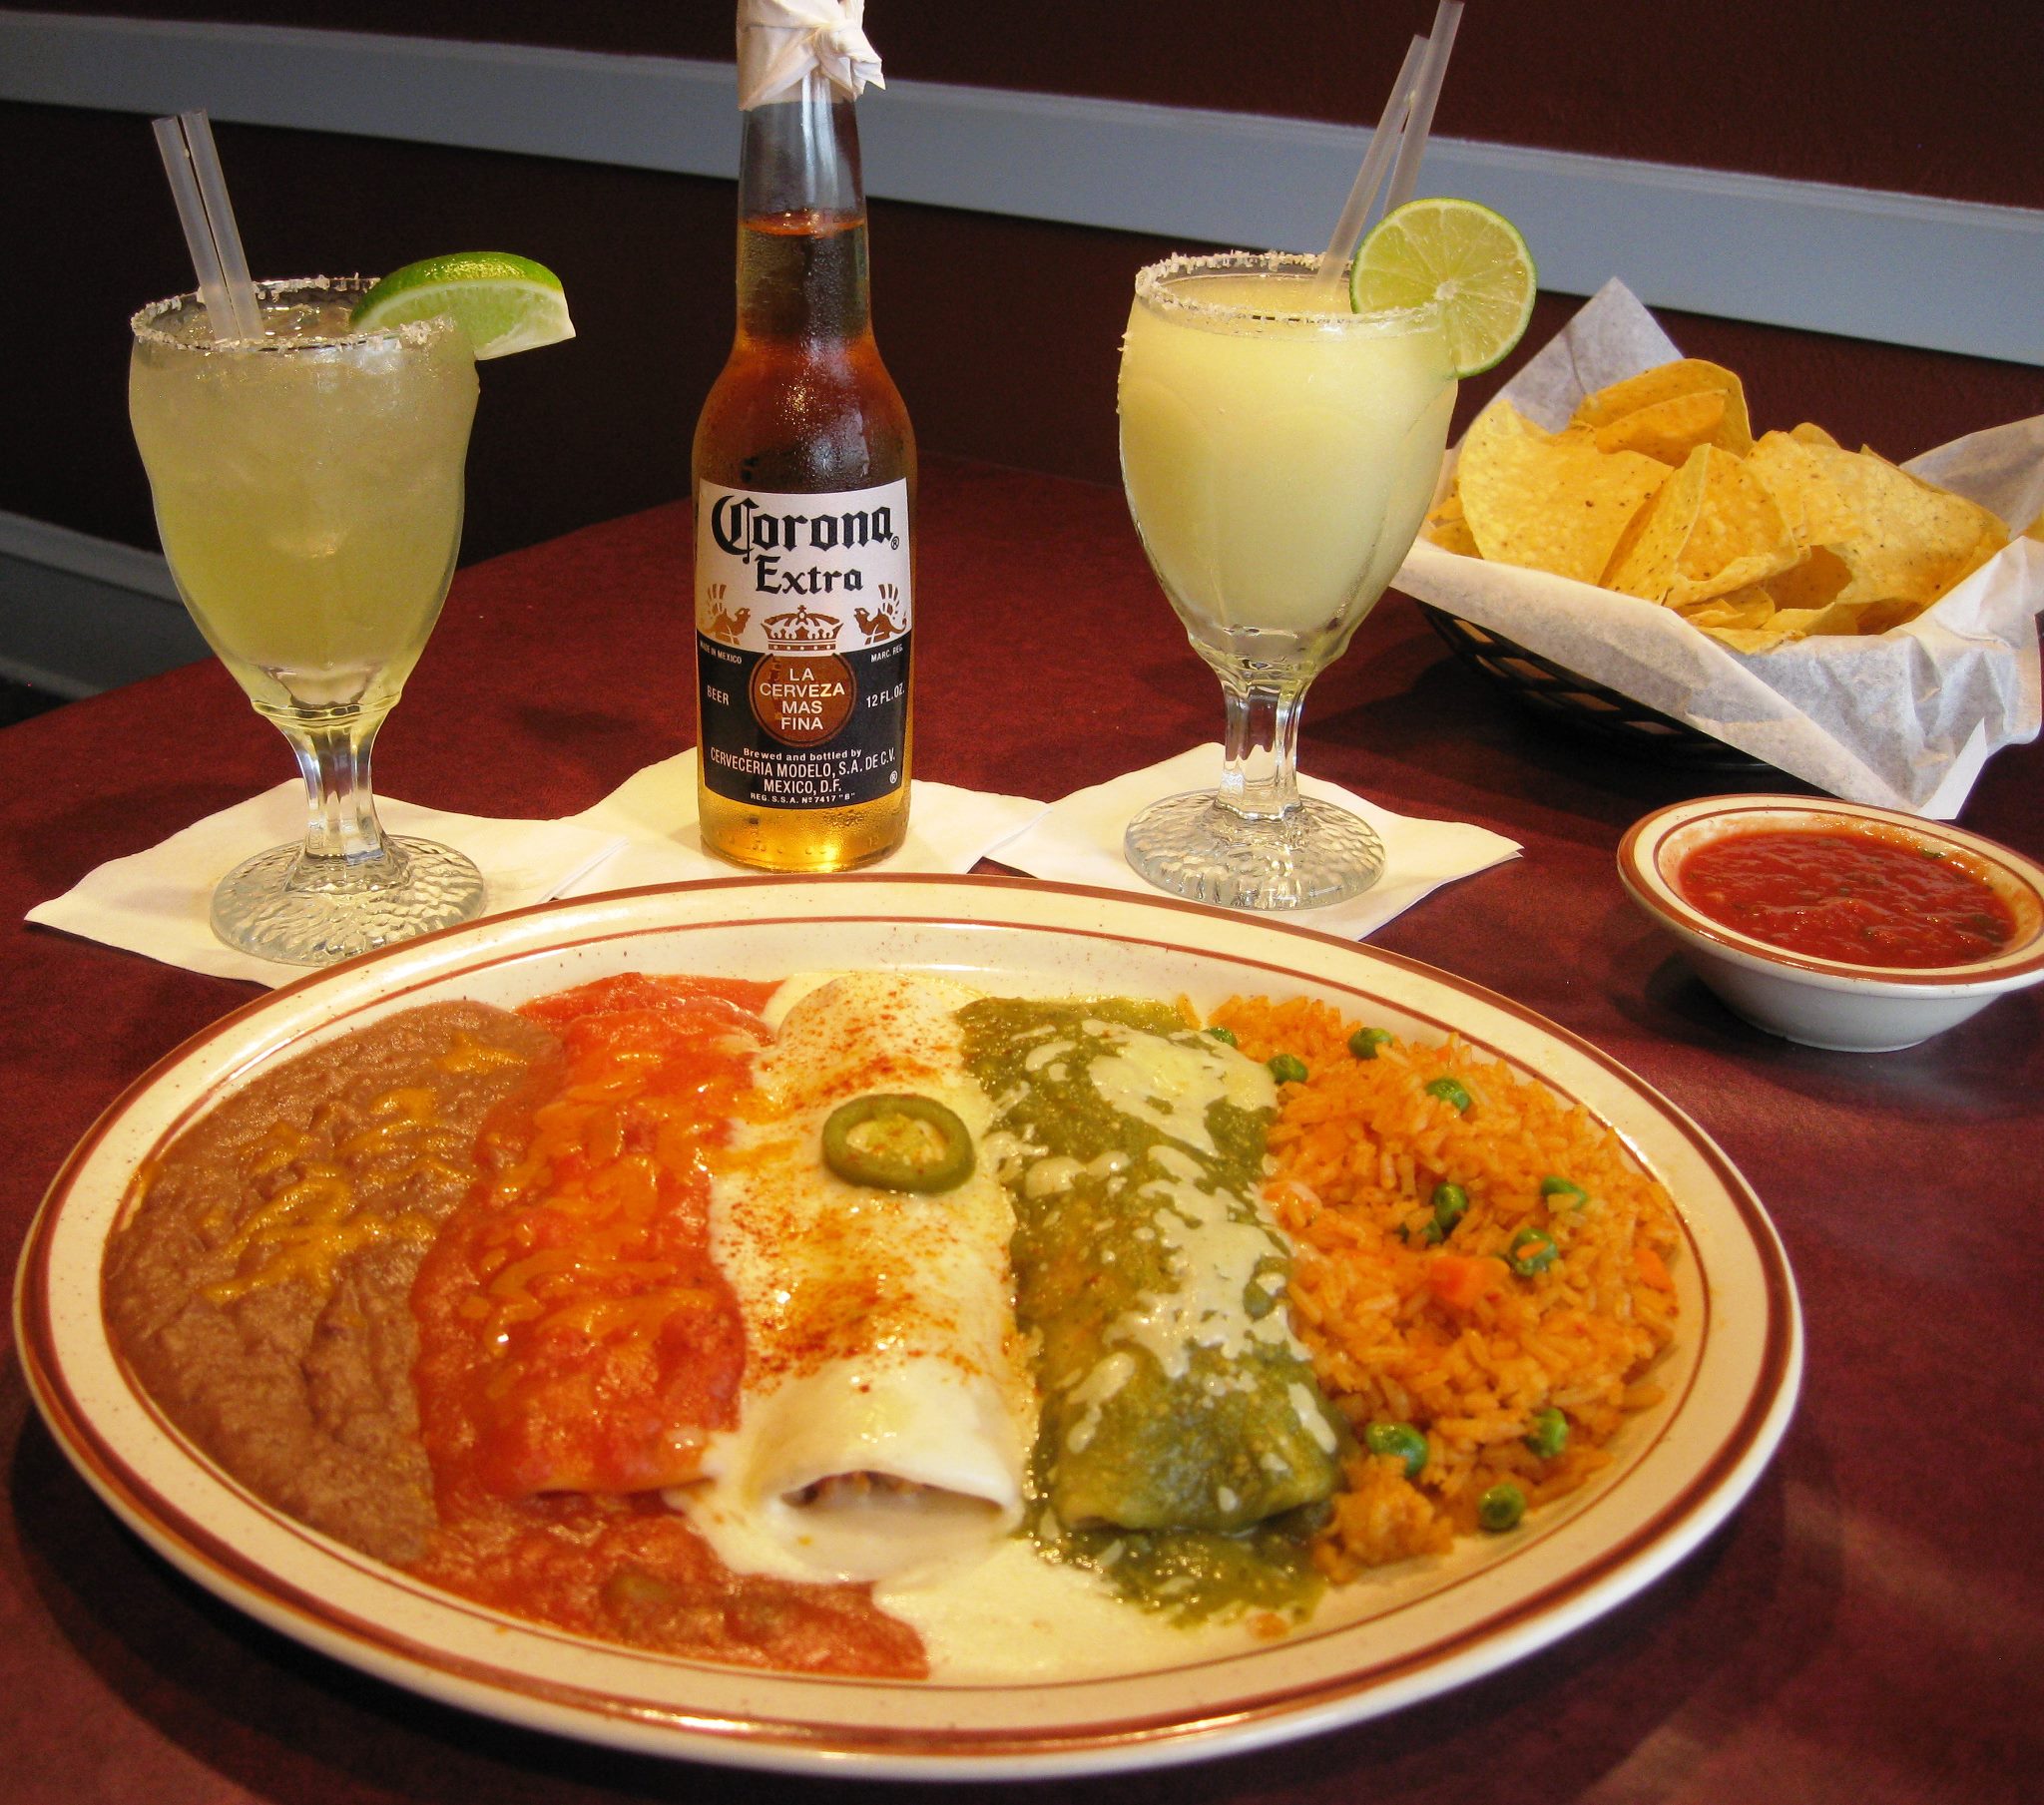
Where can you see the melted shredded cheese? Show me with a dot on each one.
(329, 1207)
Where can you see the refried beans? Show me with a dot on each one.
(258, 1283)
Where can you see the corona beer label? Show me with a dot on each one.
(802, 622)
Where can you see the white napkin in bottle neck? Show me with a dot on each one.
(781, 40)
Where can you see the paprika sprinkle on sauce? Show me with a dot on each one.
(1857, 895)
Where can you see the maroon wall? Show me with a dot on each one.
(1932, 98)
(602, 426)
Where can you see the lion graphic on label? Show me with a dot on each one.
(727, 626)
(876, 626)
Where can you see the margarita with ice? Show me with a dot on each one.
(309, 489)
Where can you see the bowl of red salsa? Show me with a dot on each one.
(1836, 924)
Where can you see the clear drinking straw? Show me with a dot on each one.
(1401, 132)
(1433, 72)
(1362, 194)
(191, 161)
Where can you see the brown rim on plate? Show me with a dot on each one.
(1571, 1566)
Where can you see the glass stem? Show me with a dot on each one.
(341, 829)
(1261, 781)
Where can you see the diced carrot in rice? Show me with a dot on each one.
(1463, 1283)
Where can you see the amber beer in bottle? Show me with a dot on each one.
(804, 491)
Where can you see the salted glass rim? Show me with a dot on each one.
(416, 332)
(1154, 287)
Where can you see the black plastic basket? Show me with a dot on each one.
(1590, 708)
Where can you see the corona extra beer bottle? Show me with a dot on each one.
(805, 488)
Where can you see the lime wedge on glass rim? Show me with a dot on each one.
(504, 303)
(1472, 260)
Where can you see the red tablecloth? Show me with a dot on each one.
(1868, 1627)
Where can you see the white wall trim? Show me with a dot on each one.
(103, 560)
(1948, 276)
(79, 615)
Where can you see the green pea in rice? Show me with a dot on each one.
(1410, 1323)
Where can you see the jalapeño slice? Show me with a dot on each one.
(897, 1142)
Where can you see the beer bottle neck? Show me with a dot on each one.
(803, 220)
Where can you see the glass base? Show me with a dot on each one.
(1193, 846)
(297, 910)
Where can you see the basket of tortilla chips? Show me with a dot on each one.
(1633, 557)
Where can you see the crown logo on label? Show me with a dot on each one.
(802, 631)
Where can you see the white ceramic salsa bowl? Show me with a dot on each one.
(1826, 1001)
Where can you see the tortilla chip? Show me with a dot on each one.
(1835, 619)
(1448, 526)
(1814, 584)
(1810, 433)
(1647, 558)
(1803, 488)
(1914, 543)
(1739, 621)
(1741, 573)
(1739, 537)
(1548, 500)
(1668, 430)
(1753, 638)
(1667, 382)
(1751, 607)
(1746, 620)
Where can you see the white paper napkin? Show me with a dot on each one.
(644, 832)
(1901, 719)
(1079, 840)
(156, 902)
(653, 815)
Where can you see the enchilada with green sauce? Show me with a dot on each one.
(1184, 1442)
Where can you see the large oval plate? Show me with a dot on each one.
(1397, 1637)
